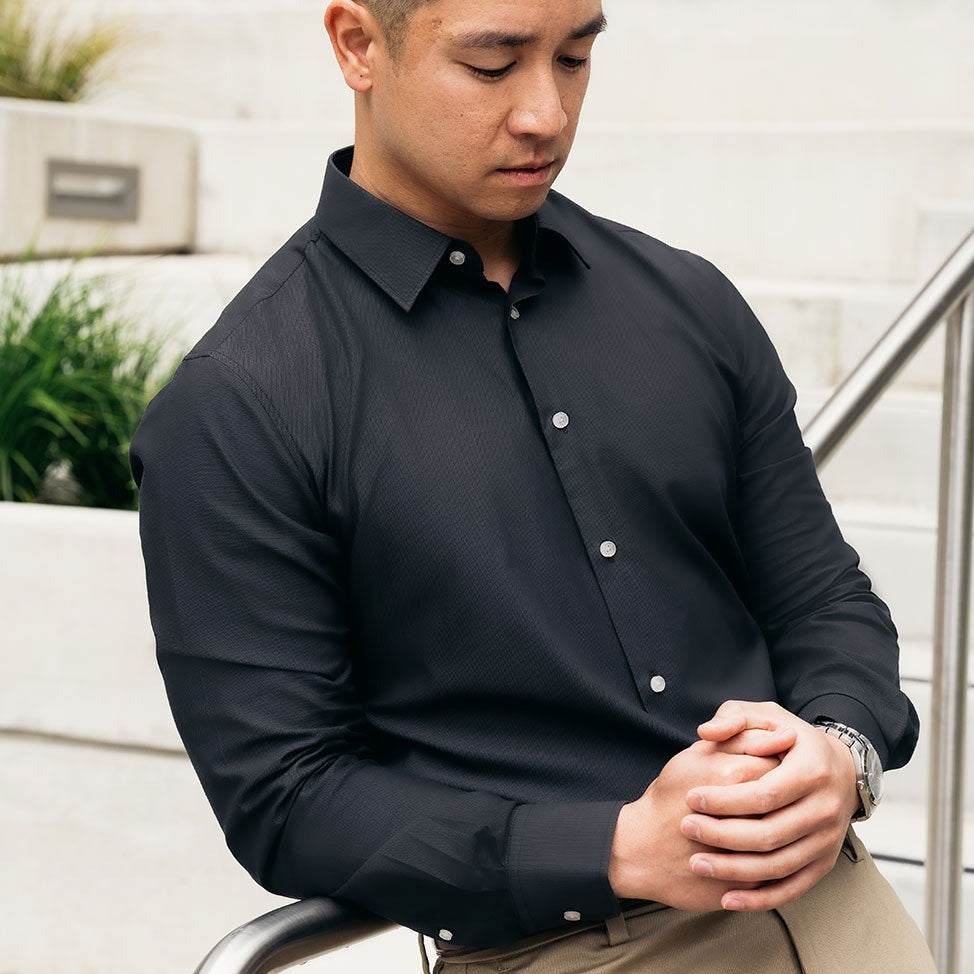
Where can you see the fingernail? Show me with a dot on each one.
(697, 801)
(701, 867)
(733, 903)
(691, 830)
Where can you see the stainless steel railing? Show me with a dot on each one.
(310, 927)
(291, 935)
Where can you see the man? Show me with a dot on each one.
(476, 530)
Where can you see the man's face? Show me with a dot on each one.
(475, 117)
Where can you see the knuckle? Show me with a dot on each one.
(778, 868)
(766, 800)
(770, 839)
(832, 807)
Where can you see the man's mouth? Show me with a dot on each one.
(530, 173)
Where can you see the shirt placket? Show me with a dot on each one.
(603, 536)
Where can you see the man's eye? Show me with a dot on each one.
(491, 73)
(574, 63)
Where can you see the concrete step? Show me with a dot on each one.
(897, 548)
(247, 59)
(778, 206)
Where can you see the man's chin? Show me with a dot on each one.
(508, 210)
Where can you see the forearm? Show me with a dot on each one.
(312, 812)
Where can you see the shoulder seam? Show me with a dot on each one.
(245, 316)
(264, 401)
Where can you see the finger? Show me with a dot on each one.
(754, 867)
(776, 789)
(765, 834)
(773, 895)
(760, 742)
(735, 716)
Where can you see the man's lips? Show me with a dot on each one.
(530, 174)
(533, 166)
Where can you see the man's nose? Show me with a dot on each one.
(539, 110)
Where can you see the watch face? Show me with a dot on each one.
(874, 775)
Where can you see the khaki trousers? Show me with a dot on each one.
(850, 923)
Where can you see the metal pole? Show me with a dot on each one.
(945, 826)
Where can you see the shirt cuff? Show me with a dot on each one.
(848, 711)
(558, 863)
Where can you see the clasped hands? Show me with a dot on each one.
(749, 817)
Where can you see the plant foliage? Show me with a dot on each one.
(36, 63)
(74, 382)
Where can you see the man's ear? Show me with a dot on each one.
(354, 34)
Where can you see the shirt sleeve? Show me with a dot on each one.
(249, 605)
(832, 642)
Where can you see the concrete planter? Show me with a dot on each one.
(78, 655)
(158, 214)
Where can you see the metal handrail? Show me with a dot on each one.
(291, 935)
(307, 928)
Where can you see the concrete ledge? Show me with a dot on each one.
(79, 655)
(33, 132)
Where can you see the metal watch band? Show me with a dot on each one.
(865, 757)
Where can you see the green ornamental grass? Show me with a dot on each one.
(74, 382)
(51, 66)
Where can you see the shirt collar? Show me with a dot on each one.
(397, 251)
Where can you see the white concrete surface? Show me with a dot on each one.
(113, 863)
(257, 183)
(78, 656)
(32, 132)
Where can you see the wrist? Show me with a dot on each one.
(867, 766)
(849, 774)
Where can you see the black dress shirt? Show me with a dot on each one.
(442, 575)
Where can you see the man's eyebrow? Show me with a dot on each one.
(501, 38)
(595, 26)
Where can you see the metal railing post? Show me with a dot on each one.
(946, 798)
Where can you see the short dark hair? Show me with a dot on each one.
(393, 17)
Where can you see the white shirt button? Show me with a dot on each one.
(446, 935)
(608, 549)
(515, 314)
(458, 257)
(560, 420)
(657, 684)
(572, 915)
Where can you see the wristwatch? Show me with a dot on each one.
(869, 769)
